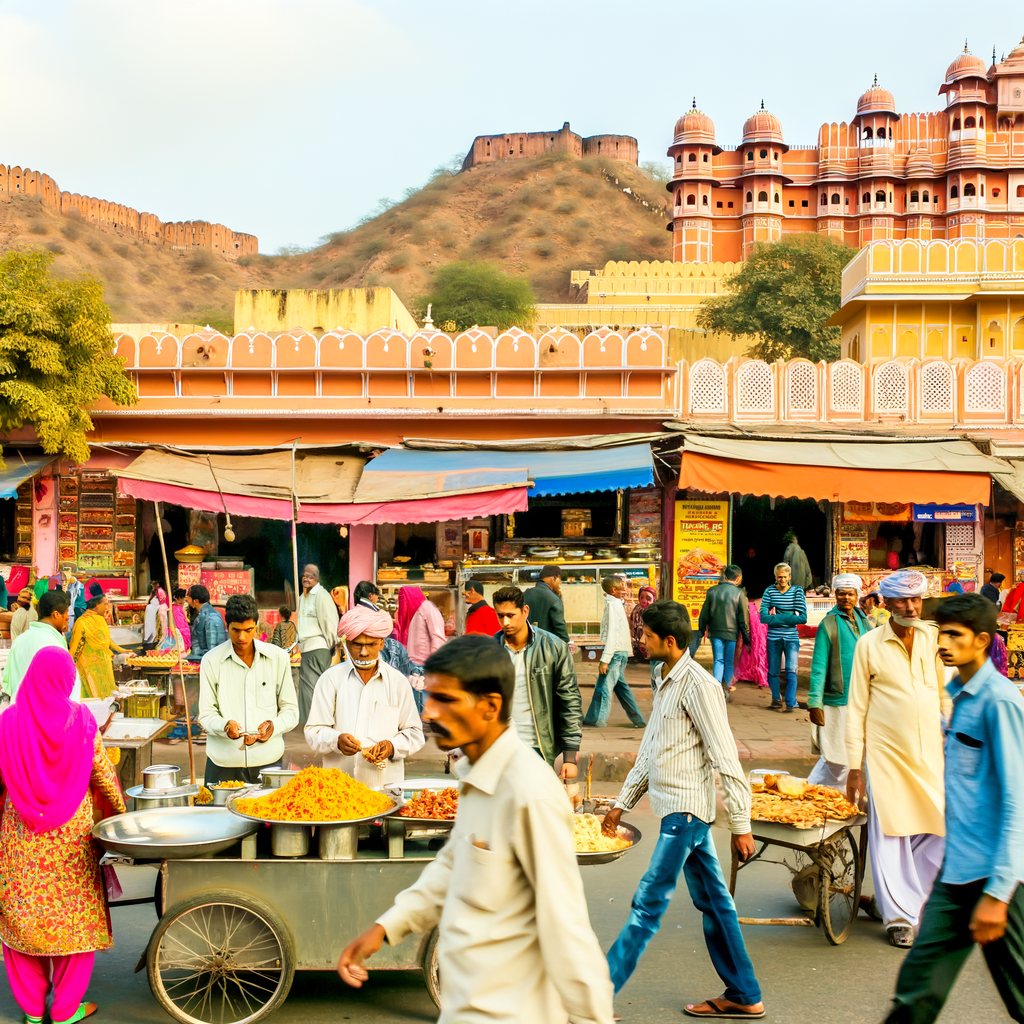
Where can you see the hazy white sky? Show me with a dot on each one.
(291, 118)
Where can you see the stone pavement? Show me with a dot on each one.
(762, 736)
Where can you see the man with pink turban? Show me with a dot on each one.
(894, 729)
(363, 716)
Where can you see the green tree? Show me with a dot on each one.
(56, 353)
(469, 294)
(782, 296)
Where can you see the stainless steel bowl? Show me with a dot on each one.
(221, 795)
(160, 776)
(172, 833)
(275, 778)
(627, 831)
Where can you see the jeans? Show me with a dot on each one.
(723, 653)
(685, 843)
(930, 969)
(614, 680)
(777, 645)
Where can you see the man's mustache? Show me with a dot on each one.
(435, 729)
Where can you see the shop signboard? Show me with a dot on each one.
(222, 583)
(853, 548)
(945, 514)
(877, 511)
(701, 550)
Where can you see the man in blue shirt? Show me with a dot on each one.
(977, 897)
(783, 608)
(208, 630)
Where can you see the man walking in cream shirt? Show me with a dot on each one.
(515, 944)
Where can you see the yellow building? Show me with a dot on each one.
(657, 294)
(360, 310)
(934, 300)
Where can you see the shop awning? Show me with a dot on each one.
(399, 472)
(260, 486)
(18, 470)
(927, 472)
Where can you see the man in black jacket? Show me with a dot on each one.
(724, 616)
(546, 706)
(545, 603)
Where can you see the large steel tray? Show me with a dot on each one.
(627, 831)
(172, 833)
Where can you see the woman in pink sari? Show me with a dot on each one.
(53, 902)
(409, 601)
(752, 662)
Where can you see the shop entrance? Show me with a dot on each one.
(757, 538)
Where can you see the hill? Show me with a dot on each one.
(536, 218)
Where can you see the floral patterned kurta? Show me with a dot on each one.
(52, 897)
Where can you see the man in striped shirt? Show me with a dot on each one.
(783, 608)
(686, 740)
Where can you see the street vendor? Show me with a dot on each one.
(831, 666)
(363, 716)
(894, 727)
(246, 699)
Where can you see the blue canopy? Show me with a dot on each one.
(18, 470)
(403, 474)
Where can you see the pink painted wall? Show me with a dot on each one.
(361, 542)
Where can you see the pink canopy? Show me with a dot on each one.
(423, 510)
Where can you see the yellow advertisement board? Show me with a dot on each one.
(700, 550)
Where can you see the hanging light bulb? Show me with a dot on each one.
(343, 531)
(229, 534)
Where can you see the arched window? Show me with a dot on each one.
(704, 200)
(750, 197)
(968, 122)
(835, 198)
(679, 159)
(762, 197)
(692, 158)
(824, 198)
(879, 197)
(915, 196)
(764, 154)
(969, 189)
(924, 196)
(679, 199)
(981, 122)
(868, 133)
(1020, 191)
(705, 158)
(956, 124)
(954, 193)
(750, 155)
(866, 198)
(691, 200)
(777, 197)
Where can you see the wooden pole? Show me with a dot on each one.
(174, 632)
(295, 525)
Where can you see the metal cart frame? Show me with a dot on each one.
(833, 872)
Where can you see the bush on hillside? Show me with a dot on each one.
(473, 293)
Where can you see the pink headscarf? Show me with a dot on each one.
(409, 599)
(160, 594)
(362, 621)
(46, 743)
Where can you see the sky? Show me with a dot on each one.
(289, 119)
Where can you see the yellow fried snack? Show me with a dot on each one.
(204, 796)
(587, 836)
(810, 809)
(317, 794)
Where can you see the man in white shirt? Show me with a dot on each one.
(611, 671)
(246, 699)
(515, 942)
(317, 623)
(688, 738)
(363, 718)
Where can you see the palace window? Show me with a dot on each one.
(981, 122)
(995, 193)
(956, 124)
(718, 205)
(679, 159)
(730, 206)
(1004, 124)
(750, 197)
(954, 193)
(835, 198)
(704, 200)
(792, 203)
(762, 197)
(750, 155)
(803, 202)
(764, 154)
(969, 189)
(692, 158)
(705, 158)
(968, 122)
(824, 199)
(1020, 191)
(868, 133)
(776, 197)
(915, 196)
(691, 200)
(879, 197)
(924, 197)
(866, 198)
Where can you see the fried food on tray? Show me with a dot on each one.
(587, 836)
(430, 804)
(230, 784)
(798, 803)
(204, 796)
(317, 794)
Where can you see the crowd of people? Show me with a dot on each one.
(911, 718)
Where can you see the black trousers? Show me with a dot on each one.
(219, 773)
(930, 969)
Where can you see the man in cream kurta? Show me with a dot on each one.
(515, 944)
(894, 727)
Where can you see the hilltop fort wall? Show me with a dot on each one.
(146, 227)
(527, 145)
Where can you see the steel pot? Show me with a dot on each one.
(160, 776)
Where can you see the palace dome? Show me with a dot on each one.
(876, 101)
(695, 127)
(920, 164)
(966, 66)
(762, 127)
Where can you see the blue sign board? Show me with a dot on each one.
(945, 513)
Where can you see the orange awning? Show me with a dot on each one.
(831, 483)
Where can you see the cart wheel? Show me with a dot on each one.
(221, 957)
(431, 974)
(839, 893)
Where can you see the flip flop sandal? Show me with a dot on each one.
(84, 1010)
(722, 1013)
(901, 938)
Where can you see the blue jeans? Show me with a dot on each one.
(613, 681)
(777, 646)
(685, 843)
(723, 652)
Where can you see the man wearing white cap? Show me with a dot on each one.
(831, 666)
(894, 727)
